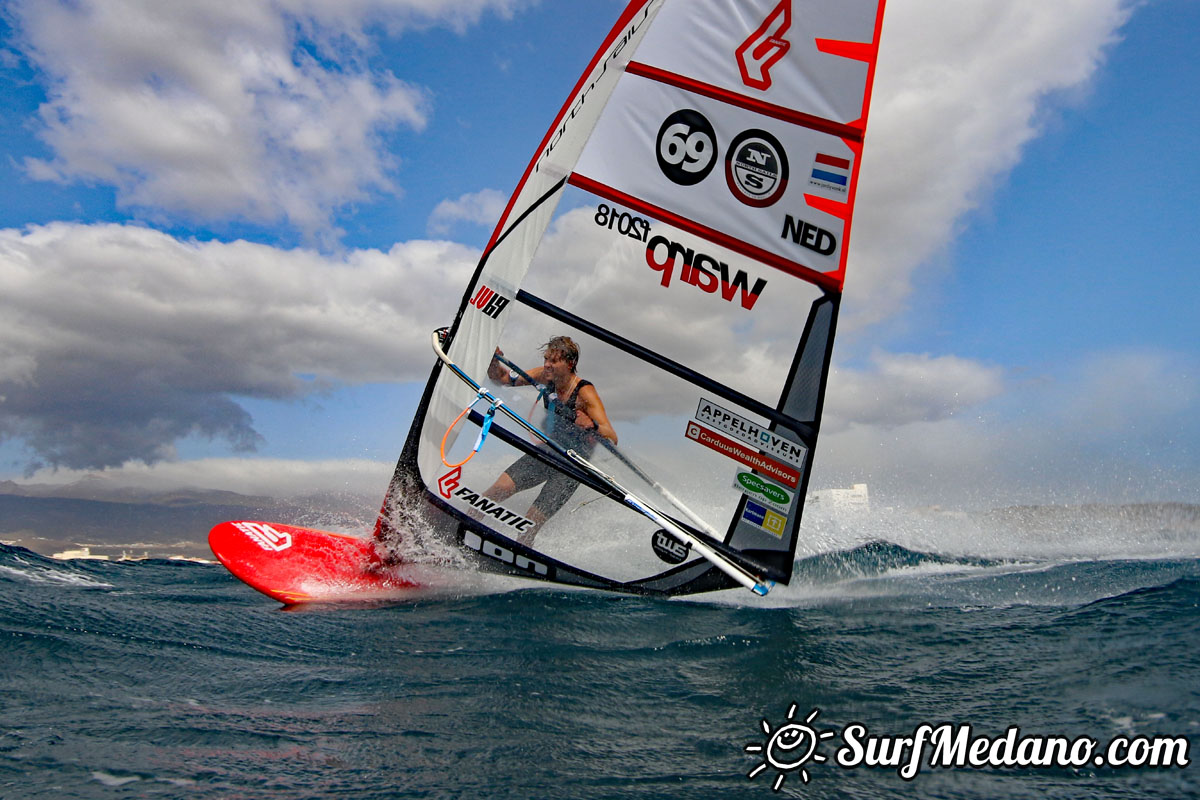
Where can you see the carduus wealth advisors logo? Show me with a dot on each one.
(789, 747)
(765, 47)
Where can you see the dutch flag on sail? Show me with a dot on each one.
(831, 172)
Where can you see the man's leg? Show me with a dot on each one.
(502, 489)
(550, 500)
(538, 518)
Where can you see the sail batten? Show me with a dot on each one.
(651, 325)
(843, 131)
(665, 364)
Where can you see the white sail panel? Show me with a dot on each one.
(559, 150)
(728, 170)
(519, 231)
(769, 50)
(712, 310)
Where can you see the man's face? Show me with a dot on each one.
(555, 367)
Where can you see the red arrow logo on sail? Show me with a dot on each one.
(765, 47)
(449, 482)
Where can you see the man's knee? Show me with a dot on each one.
(502, 489)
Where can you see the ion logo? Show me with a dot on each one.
(765, 47)
(492, 550)
(265, 536)
(489, 301)
(687, 147)
(668, 548)
(702, 271)
(756, 168)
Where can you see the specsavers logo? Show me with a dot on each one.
(771, 494)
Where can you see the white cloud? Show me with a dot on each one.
(903, 388)
(1114, 428)
(271, 477)
(119, 340)
(222, 110)
(1116, 391)
(960, 89)
(479, 208)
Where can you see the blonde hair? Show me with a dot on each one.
(564, 347)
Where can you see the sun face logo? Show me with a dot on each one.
(789, 747)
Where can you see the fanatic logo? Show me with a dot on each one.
(449, 482)
(765, 47)
(265, 536)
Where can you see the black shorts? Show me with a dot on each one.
(528, 471)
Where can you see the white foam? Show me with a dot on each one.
(45, 575)
(114, 780)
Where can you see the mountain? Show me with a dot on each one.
(111, 520)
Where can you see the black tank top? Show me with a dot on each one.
(562, 422)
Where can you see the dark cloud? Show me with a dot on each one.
(118, 340)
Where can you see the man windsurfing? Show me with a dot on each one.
(576, 419)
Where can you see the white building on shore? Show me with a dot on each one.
(839, 501)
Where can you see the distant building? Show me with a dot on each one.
(854, 499)
(84, 553)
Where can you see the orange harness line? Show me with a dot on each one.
(483, 432)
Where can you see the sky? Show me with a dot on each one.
(226, 231)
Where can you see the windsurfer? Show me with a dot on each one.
(575, 423)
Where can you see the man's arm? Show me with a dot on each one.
(593, 409)
(497, 371)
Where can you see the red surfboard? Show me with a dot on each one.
(301, 565)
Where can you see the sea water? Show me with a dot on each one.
(167, 679)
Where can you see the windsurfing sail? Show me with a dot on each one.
(685, 221)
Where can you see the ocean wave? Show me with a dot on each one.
(17, 563)
(879, 557)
